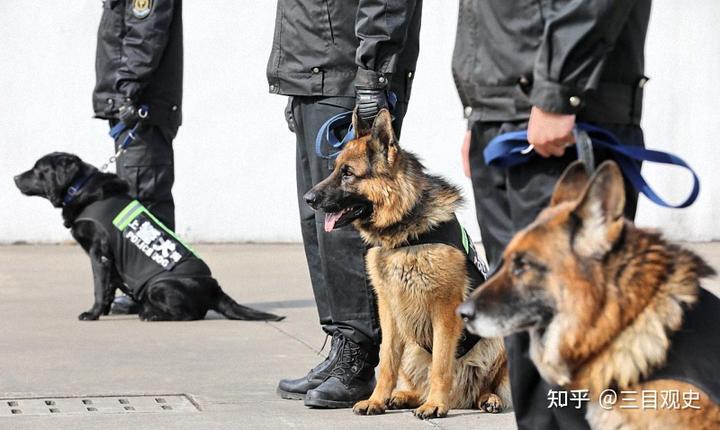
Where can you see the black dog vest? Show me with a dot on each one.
(143, 248)
(453, 234)
(695, 348)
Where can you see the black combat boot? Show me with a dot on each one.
(351, 379)
(295, 389)
(124, 305)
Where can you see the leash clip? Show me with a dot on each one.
(584, 146)
(111, 160)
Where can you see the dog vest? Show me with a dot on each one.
(143, 248)
(695, 348)
(453, 234)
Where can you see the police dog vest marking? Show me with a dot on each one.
(150, 236)
(143, 249)
(142, 8)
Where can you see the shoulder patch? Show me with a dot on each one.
(142, 8)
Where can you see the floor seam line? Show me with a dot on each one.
(297, 339)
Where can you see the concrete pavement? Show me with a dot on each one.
(226, 370)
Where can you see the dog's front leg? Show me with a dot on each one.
(102, 271)
(391, 351)
(446, 332)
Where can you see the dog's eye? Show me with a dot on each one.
(346, 172)
(519, 266)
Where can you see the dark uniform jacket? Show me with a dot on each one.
(140, 56)
(570, 57)
(321, 48)
(144, 250)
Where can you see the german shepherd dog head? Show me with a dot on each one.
(382, 189)
(580, 276)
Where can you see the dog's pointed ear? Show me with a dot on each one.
(571, 184)
(361, 127)
(600, 211)
(383, 136)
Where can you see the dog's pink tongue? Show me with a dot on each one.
(331, 219)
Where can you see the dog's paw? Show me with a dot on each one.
(88, 316)
(492, 404)
(369, 407)
(431, 410)
(404, 400)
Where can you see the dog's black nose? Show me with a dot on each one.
(17, 179)
(466, 311)
(312, 198)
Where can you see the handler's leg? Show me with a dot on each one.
(490, 192)
(147, 165)
(304, 132)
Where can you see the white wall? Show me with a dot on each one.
(234, 155)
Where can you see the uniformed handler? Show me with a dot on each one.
(330, 57)
(139, 62)
(542, 66)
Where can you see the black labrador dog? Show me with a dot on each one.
(128, 247)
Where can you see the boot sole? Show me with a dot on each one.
(289, 395)
(329, 404)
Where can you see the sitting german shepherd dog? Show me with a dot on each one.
(128, 248)
(608, 306)
(422, 266)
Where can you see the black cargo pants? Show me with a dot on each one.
(147, 165)
(506, 200)
(336, 260)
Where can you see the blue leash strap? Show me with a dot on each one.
(326, 134)
(120, 127)
(512, 149)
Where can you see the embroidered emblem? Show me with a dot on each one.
(142, 8)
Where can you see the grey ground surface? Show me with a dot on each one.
(229, 368)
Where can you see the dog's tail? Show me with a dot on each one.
(235, 311)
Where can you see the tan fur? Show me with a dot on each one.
(418, 291)
(418, 287)
(617, 291)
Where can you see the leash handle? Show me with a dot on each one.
(118, 129)
(512, 149)
(326, 134)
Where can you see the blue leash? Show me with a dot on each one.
(512, 149)
(326, 135)
(120, 127)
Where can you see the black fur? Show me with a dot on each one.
(168, 299)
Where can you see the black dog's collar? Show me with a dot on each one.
(75, 188)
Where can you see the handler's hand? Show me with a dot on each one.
(550, 133)
(465, 151)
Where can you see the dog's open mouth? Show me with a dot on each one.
(344, 217)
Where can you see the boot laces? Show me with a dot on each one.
(320, 352)
(349, 360)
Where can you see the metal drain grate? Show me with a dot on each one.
(93, 405)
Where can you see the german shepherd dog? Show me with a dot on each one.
(170, 296)
(607, 306)
(386, 194)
